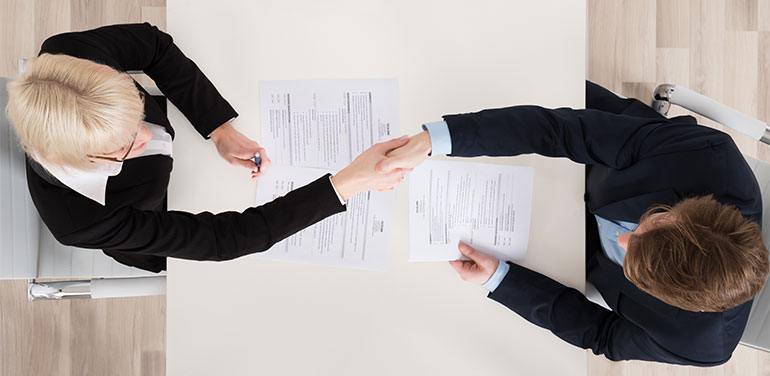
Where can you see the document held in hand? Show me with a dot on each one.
(487, 206)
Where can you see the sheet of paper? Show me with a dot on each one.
(485, 205)
(326, 123)
(357, 238)
(322, 125)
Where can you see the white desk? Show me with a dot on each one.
(257, 317)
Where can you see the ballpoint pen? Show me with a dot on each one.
(257, 160)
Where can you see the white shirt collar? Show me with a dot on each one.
(93, 183)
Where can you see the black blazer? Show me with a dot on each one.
(133, 227)
(636, 159)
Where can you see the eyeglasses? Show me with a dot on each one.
(115, 159)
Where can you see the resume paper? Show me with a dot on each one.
(357, 238)
(487, 206)
(314, 127)
(326, 123)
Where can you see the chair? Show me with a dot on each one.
(29, 251)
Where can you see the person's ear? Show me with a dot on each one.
(623, 240)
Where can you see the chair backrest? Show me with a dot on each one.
(757, 333)
(19, 222)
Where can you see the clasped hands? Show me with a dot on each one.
(382, 166)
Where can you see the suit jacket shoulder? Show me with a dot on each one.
(142, 47)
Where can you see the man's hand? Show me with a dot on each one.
(237, 149)
(478, 269)
(360, 176)
(408, 156)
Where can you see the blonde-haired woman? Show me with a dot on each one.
(99, 153)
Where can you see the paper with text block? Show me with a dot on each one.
(326, 123)
(358, 238)
(487, 206)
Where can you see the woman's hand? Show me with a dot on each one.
(238, 149)
(360, 175)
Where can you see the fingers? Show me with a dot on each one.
(485, 262)
(389, 164)
(265, 161)
(244, 163)
(406, 160)
(394, 180)
(464, 269)
(458, 266)
(395, 177)
(389, 145)
(468, 251)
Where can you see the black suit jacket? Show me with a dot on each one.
(634, 163)
(133, 227)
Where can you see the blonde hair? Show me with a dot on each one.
(64, 108)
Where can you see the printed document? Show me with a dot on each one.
(313, 127)
(326, 123)
(487, 206)
(358, 237)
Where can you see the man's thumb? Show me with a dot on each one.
(467, 251)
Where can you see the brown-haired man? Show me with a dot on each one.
(673, 241)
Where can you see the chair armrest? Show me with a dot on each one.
(666, 94)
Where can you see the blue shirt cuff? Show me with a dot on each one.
(440, 140)
(497, 278)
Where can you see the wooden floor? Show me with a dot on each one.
(718, 47)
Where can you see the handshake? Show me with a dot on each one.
(383, 165)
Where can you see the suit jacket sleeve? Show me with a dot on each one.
(584, 136)
(568, 314)
(144, 47)
(204, 236)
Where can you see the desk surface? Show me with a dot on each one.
(250, 316)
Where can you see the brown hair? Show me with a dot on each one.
(703, 256)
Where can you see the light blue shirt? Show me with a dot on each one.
(609, 231)
(497, 278)
(440, 140)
